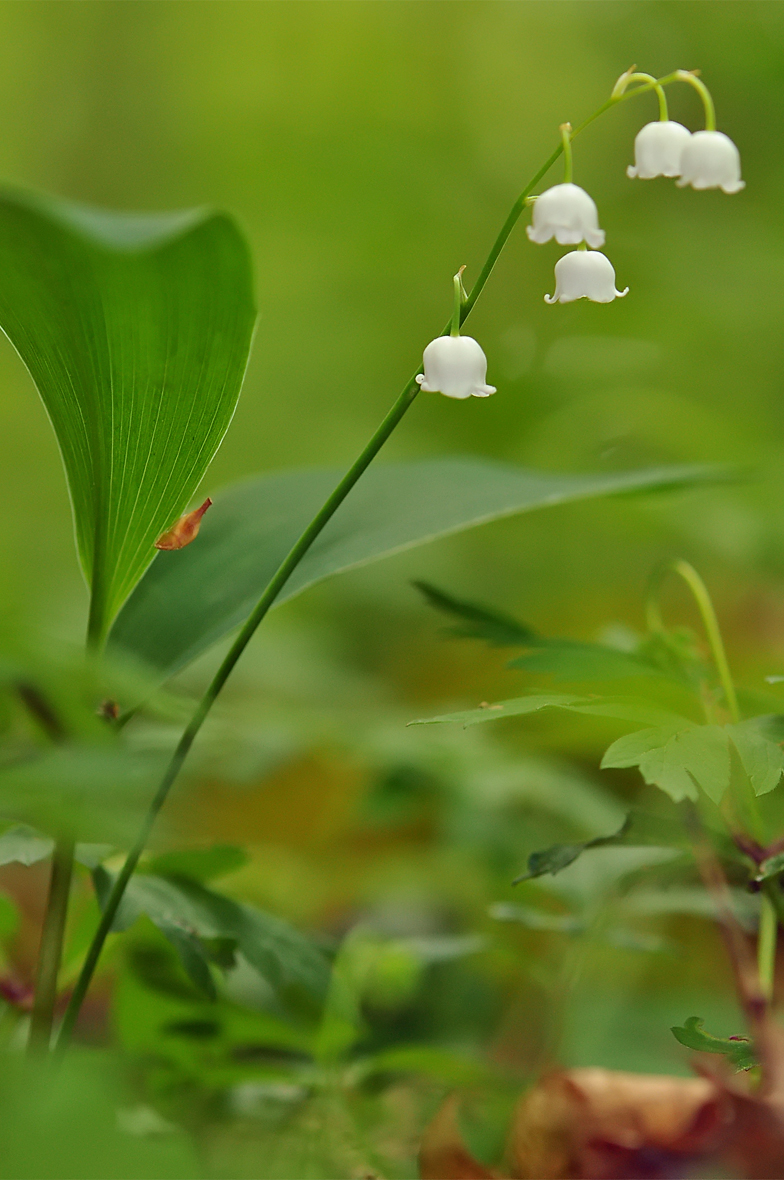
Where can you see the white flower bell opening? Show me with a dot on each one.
(456, 367)
(711, 160)
(658, 148)
(567, 213)
(584, 274)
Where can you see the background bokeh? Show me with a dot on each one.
(369, 149)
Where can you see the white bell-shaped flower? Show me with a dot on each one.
(584, 274)
(456, 367)
(567, 213)
(711, 160)
(658, 148)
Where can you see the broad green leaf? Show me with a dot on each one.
(739, 1051)
(478, 622)
(276, 949)
(190, 599)
(553, 860)
(135, 329)
(618, 707)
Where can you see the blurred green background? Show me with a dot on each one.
(369, 149)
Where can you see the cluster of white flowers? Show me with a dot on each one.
(456, 366)
(703, 159)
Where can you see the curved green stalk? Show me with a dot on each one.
(700, 593)
(690, 76)
(285, 571)
(634, 76)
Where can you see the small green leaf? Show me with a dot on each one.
(772, 867)
(24, 846)
(135, 329)
(190, 599)
(479, 622)
(534, 919)
(763, 759)
(739, 1051)
(192, 955)
(277, 950)
(552, 860)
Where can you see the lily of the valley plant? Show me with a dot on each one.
(118, 528)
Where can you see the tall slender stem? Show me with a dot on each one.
(51, 949)
(285, 571)
(766, 945)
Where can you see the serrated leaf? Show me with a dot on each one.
(135, 329)
(276, 949)
(552, 860)
(763, 759)
(479, 622)
(624, 709)
(677, 761)
(739, 1051)
(189, 600)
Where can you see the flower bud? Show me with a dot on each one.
(584, 274)
(711, 160)
(658, 148)
(456, 367)
(566, 213)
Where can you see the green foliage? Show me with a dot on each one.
(67, 1124)
(24, 846)
(739, 1051)
(553, 860)
(192, 917)
(624, 709)
(190, 599)
(680, 760)
(85, 792)
(136, 330)
(199, 864)
(570, 660)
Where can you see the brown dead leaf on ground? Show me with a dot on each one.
(599, 1124)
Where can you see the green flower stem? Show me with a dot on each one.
(690, 76)
(566, 140)
(285, 571)
(634, 76)
(458, 304)
(766, 945)
(700, 592)
(51, 950)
